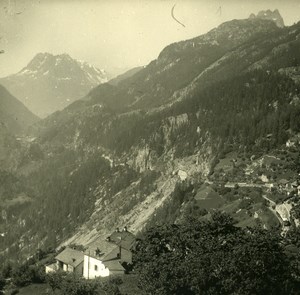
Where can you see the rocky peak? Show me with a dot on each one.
(270, 15)
(51, 82)
(62, 66)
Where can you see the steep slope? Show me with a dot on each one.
(13, 114)
(115, 81)
(51, 82)
(15, 118)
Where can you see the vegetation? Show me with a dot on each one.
(213, 257)
(74, 285)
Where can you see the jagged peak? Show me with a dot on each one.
(269, 15)
(44, 62)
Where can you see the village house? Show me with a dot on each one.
(111, 256)
(102, 258)
(68, 260)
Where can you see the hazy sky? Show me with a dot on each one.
(114, 33)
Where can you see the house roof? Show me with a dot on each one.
(71, 257)
(124, 239)
(283, 181)
(102, 246)
(114, 265)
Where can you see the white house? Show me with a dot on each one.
(103, 257)
(102, 265)
(110, 256)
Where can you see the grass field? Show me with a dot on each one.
(207, 198)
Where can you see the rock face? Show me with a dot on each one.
(51, 82)
(270, 15)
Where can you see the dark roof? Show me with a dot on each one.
(114, 265)
(124, 239)
(70, 256)
(101, 245)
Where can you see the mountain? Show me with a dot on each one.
(270, 15)
(212, 123)
(13, 114)
(14, 120)
(164, 79)
(51, 82)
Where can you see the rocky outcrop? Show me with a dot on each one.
(269, 15)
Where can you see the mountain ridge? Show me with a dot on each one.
(275, 16)
(51, 82)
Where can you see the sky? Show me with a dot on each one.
(115, 34)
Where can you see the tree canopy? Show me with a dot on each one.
(213, 257)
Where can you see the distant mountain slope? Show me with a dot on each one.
(13, 114)
(115, 81)
(51, 82)
(179, 63)
(14, 119)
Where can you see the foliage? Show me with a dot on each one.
(74, 285)
(212, 258)
(27, 274)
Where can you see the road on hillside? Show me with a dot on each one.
(272, 203)
(259, 185)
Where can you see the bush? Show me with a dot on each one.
(71, 284)
(27, 274)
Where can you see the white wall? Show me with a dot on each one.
(89, 271)
(51, 268)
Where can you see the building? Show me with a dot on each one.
(103, 258)
(102, 264)
(68, 260)
(110, 256)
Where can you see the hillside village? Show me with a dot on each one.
(276, 175)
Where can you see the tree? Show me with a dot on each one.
(54, 279)
(212, 257)
(2, 284)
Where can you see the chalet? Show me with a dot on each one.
(110, 256)
(68, 260)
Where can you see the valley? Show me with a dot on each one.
(203, 141)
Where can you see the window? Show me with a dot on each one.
(96, 267)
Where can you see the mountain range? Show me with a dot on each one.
(211, 123)
(51, 82)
